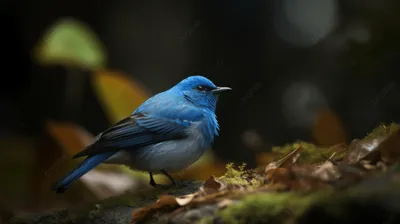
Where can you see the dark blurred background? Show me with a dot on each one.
(323, 71)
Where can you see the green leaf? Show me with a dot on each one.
(72, 44)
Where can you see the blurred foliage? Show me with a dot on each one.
(69, 136)
(119, 94)
(328, 129)
(71, 43)
(16, 161)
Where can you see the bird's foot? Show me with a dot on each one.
(175, 184)
(161, 186)
(154, 184)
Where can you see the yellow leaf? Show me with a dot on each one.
(118, 94)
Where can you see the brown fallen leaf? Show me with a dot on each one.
(279, 175)
(286, 161)
(327, 172)
(363, 149)
(344, 167)
(278, 172)
(212, 185)
(179, 203)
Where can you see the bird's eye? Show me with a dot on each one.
(202, 88)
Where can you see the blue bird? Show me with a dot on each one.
(167, 133)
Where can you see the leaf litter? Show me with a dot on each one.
(345, 166)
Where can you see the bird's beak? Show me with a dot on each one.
(220, 90)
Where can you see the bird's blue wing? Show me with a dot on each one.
(136, 131)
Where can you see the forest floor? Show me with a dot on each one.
(303, 183)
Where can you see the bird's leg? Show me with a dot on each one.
(152, 182)
(169, 177)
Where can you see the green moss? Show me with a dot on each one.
(315, 154)
(239, 176)
(310, 153)
(234, 176)
(382, 130)
(269, 207)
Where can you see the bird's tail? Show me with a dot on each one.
(84, 167)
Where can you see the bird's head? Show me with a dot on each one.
(200, 91)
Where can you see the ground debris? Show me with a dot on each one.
(291, 179)
(297, 183)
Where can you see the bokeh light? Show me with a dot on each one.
(301, 102)
(305, 22)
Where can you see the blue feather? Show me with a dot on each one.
(84, 167)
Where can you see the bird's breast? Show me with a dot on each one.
(173, 155)
(170, 155)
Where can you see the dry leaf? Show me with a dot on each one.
(361, 149)
(186, 199)
(286, 161)
(279, 175)
(327, 171)
(212, 185)
(363, 156)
